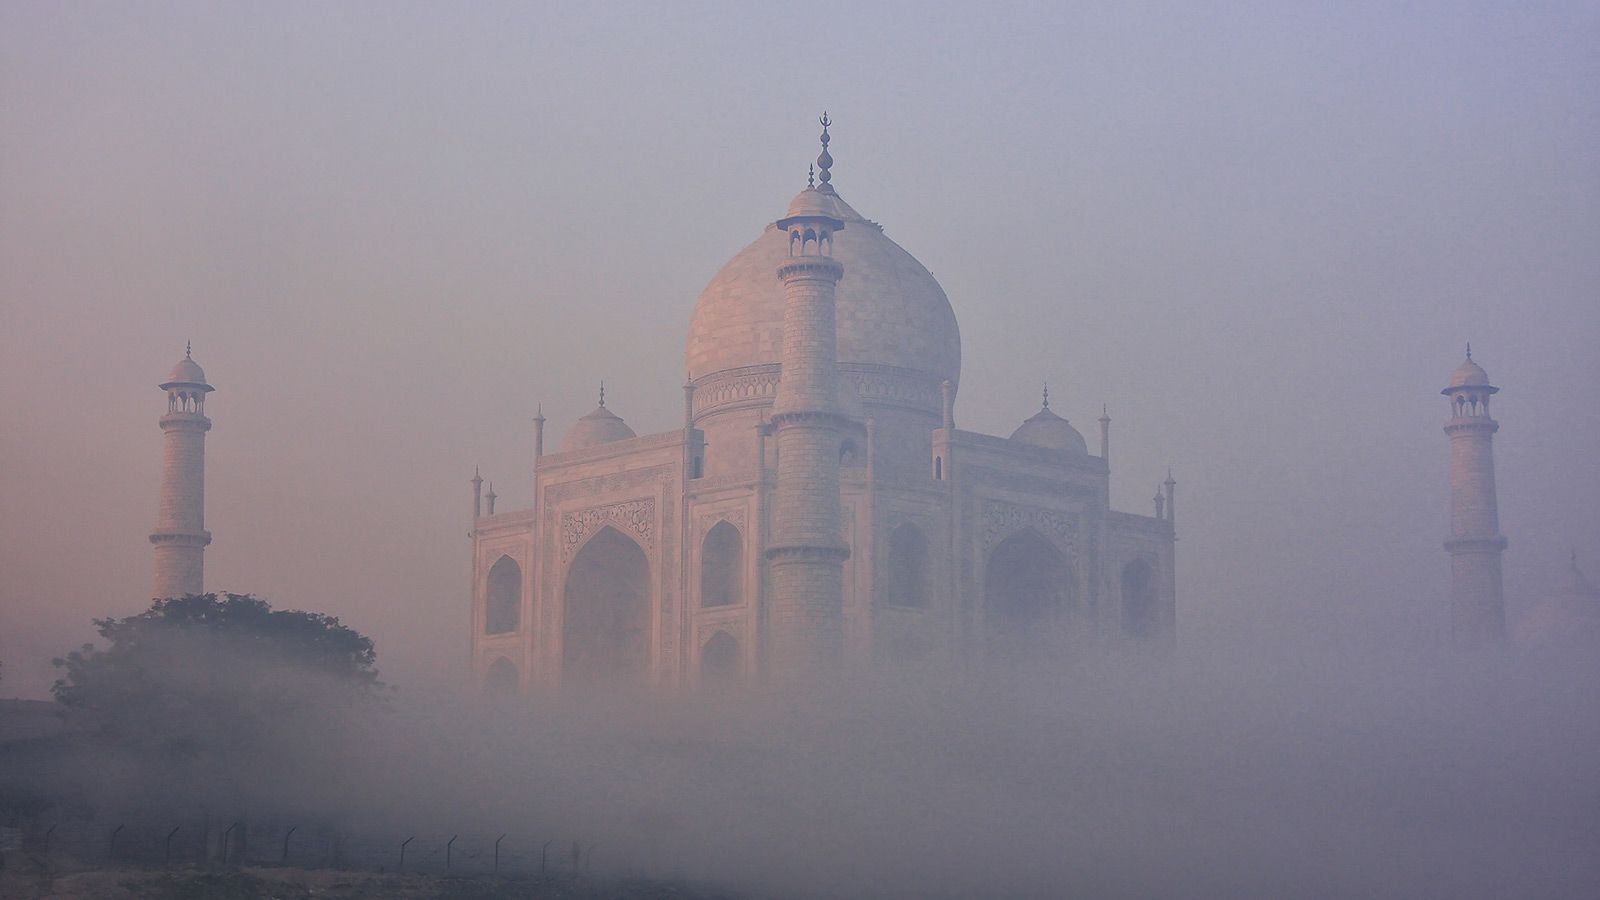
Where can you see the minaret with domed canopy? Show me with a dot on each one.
(180, 536)
(1477, 598)
(806, 618)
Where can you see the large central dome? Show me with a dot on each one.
(891, 313)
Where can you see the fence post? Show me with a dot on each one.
(111, 851)
(288, 834)
(403, 844)
(47, 832)
(542, 852)
(166, 848)
(497, 853)
(447, 845)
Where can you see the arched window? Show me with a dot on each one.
(1030, 595)
(908, 567)
(1140, 612)
(501, 679)
(503, 608)
(605, 633)
(722, 567)
(719, 659)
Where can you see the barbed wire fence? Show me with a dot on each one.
(210, 841)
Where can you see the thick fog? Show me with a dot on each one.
(1262, 233)
(1309, 774)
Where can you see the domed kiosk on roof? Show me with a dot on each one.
(1048, 430)
(818, 511)
(1568, 618)
(601, 426)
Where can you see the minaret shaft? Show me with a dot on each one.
(180, 535)
(806, 614)
(183, 474)
(1477, 595)
(1474, 511)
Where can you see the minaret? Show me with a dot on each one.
(806, 613)
(180, 536)
(1477, 599)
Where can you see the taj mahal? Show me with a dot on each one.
(819, 510)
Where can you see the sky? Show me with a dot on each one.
(1262, 233)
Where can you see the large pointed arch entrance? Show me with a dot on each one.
(1141, 611)
(1030, 596)
(605, 629)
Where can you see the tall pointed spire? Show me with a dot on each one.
(602, 393)
(1105, 434)
(188, 350)
(1047, 395)
(825, 159)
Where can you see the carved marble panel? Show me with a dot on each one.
(707, 521)
(1001, 520)
(635, 518)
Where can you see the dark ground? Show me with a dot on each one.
(30, 883)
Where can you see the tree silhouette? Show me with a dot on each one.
(216, 672)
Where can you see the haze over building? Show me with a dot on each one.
(819, 508)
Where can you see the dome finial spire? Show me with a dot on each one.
(1469, 349)
(1047, 395)
(188, 349)
(602, 392)
(825, 159)
(811, 175)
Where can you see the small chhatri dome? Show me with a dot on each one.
(599, 427)
(1573, 583)
(186, 372)
(1568, 617)
(1048, 430)
(1469, 374)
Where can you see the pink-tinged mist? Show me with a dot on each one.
(1263, 233)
